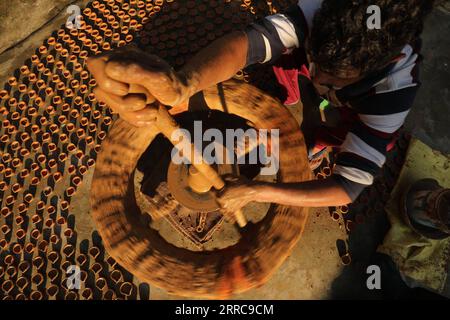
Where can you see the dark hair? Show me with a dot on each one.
(340, 38)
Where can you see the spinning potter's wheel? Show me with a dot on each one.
(179, 193)
(124, 190)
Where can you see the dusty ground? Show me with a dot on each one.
(314, 270)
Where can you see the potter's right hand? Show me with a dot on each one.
(115, 71)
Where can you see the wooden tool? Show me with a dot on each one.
(167, 125)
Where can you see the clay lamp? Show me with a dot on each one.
(82, 170)
(96, 114)
(80, 133)
(15, 145)
(111, 262)
(35, 234)
(34, 167)
(20, 234)
(90, 163)
(52, 291)
(76, 181)
(89, 140)
(8, 260)
(62, 120)
(37, 279)
(34, 59)
(87, 294)
(97, 268)
(54, 239)
(10, 200)
(62, 157)
(72, 169)
(12, 130)
(64, 205)
(42, 159)
(22, 208)
(3, 186)
(101, 284)
(61, 221)
(29, 248)
(97, 148)
(70, 127)
(3, 245)
(35, 146)
(37, 295)
(40, 206)
(12, 102)
(109, 295)
(43, 246)
(11, 271)
(68, 233)
(53, 274)
(38, 262)
(28, 198)
(36, 219)
(116, 276)
(81, 259)
(24, 266)
(53, 257)
(94, 252)
(65, 265)
(4, 138)
(126, 289)
(16, 162)
(17, 248)
(5, 229)
(7, 286)
(8, 173)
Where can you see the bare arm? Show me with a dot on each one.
(217, 62)
(314, 193)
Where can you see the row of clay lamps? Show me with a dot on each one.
(31, 82)
(47, 279)
(50, 135)
(323, 172)
(184, 28)
(40, 133)
(44, 72)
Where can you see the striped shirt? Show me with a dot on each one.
(382, 100)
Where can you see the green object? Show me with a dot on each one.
(324, 104)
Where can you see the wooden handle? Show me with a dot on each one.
(167, 125)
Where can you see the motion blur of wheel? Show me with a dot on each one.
(217, 273)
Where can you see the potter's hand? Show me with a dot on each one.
(116, 70)
(237, 193)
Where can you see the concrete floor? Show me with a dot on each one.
(314, 270)
(429, 119)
